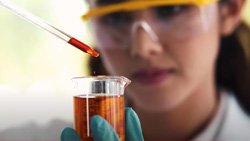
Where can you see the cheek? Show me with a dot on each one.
(101, 38)
(198, 56)
(102, 41)
(116, 62)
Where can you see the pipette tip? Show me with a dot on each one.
(78, 44)
(92, 52)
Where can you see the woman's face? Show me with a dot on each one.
(163, 73)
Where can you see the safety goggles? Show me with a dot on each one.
(117, 25)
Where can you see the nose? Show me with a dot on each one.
(145, 41)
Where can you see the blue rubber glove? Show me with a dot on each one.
(102, 130)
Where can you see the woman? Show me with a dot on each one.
(188, 70)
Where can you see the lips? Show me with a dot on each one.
(152, 76)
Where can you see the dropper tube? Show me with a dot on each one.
(41, 23)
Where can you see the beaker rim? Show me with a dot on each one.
(103, 78)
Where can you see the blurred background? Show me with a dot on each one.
(36, 67)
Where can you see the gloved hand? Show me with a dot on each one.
(102, 130)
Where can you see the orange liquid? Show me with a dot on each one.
(103, 105)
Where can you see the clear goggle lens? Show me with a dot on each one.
(161, 23)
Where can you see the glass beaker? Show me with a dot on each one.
(101, 95)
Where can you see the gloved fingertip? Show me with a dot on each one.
(95, 121)
(130, 114)
(129, 110)
(102, 130)
(133, 125)
(69, 134)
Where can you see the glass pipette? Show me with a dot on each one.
(41, 23)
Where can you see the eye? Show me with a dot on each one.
(115, 19)
(165, 12)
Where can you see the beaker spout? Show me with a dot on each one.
(125, 82)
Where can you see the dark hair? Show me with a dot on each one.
(232, 68)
